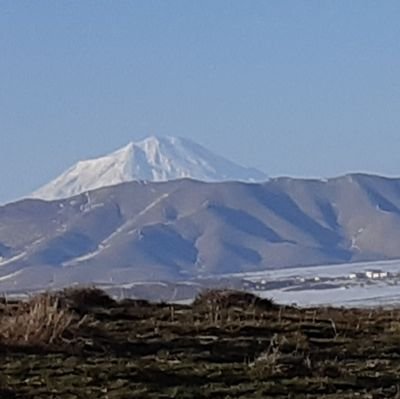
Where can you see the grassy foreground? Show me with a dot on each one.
(82, 344)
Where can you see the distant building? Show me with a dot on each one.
(375, 274)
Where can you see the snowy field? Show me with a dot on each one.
(356, 296)
(332, 285)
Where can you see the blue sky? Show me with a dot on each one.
(302, 88)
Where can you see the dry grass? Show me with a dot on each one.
(143, 350)
(218, 304)
(39, 322)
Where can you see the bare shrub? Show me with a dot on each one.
(231, 298)
(80, 298)
(38, 322)
(218, 303)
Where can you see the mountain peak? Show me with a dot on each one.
(154, 158)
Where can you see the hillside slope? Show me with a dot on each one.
(182, 229)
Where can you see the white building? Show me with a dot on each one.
(375, 274)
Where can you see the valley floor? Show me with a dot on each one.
(225, 345)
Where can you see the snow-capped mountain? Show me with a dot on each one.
(152, 159)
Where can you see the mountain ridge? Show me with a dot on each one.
(183, 229)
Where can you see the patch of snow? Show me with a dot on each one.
(62, 228)
(13, 259)
(11, 275)
(37, 242)
(105, 243)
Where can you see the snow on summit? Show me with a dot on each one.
(152, 159)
